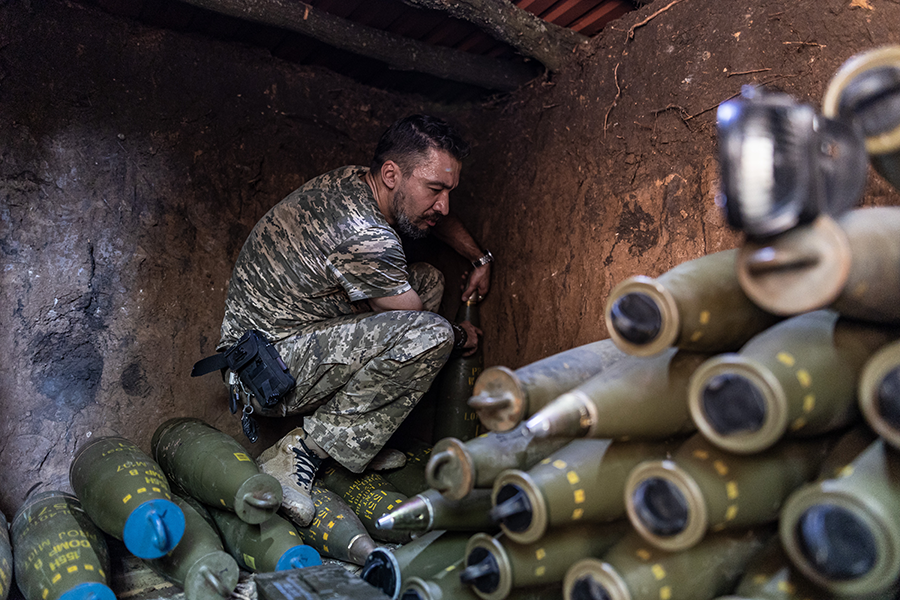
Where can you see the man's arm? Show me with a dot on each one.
(408, 300)
(451, 231)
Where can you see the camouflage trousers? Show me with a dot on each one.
(359, 376)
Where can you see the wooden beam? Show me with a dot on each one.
(550, 44)
(398, 52)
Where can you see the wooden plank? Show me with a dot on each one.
(594, 22)
(535, 7)
(563, 13)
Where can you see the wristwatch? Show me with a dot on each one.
(487, 258)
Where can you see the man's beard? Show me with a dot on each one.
(406, 225)
(407, 228)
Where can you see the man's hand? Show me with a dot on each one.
(472, 338)
(478, 284)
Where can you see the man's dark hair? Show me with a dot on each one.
(408, 140)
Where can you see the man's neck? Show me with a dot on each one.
(383, 195)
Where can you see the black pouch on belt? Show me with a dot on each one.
(256, 362)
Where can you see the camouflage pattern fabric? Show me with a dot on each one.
(316, 255)
(361, 375)
(358, 373)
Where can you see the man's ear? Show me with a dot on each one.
(390, 174)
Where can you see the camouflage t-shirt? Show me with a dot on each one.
(314, 256)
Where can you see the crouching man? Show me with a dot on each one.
(324, 276)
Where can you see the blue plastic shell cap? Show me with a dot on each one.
(154, 528)
(298, 557)
(89, 591)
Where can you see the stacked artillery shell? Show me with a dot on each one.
(273, 545)
(453, 417)
(370, 497)
(495, 566)
(126, 494)
(637, 398)
(432, 510)
(851, 265)
(631, 570)
(198, 564)
(843, 533)
(798, 378)
(213, 468)
(673, 503)
(770, 576)
(6, 559)
(425, 556)
(865, 90)
(335, 531)
(60, 553)
(456, 468)
(503, 398)
(584, 482)
(410, 478)
(698, 305)
(879, 393)
(446, 585)
(443, 585)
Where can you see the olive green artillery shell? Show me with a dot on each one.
(432, 510)
(456, 468)
(845, 450)
(879, 393)
(256, 547)
(214, 468)
(852, 266)
(369, 495)
(868, 489)
(443, 585)
(447, 585)
(632, 570)
(722, 490)
(543, 562)
(770, 576)
(410, 478)
(388, 570)
(805, 370)
(503, 398)
(453, 417)
(637, 398)
(111, 477)
(335, 530)
(701, 305)
(583, 482)
(6, 559)
(58, 547)
(198, 564)
(883, 144)
(870, 292)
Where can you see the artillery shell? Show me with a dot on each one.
(126, 494)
